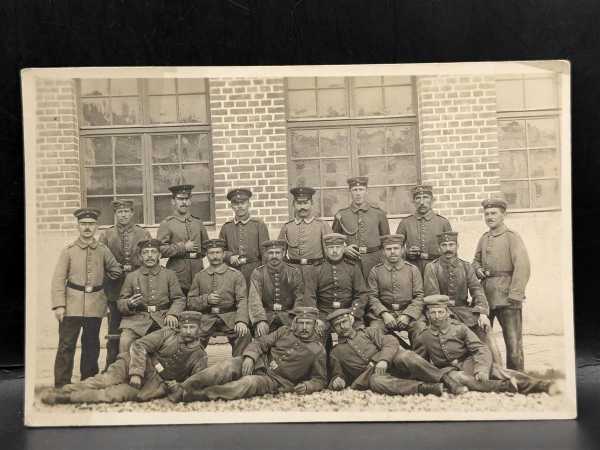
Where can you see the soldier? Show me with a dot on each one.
(291, 359)
(219, 291)
(420, 230)
(122, 240)
(141, 373)
(78, 298)
(182, 236)
(243, 234)
(365, 358)
(449, 275)
(304, 237)
(364, 224)
(451, 346)
(502, 263)
(395, 290)
(150, 299)
(276, 288)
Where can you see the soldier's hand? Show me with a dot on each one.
(514, 302)
(175, 391)
(301, 388)
(484, 322)
(479, 273)
(134, 301)
(381, 367)
(352, 251)
(389, 320)
(135, 381)
(482, 377)
(171, 321)
(403, 321)
(241, 329)
(172, 385)
(262, 329)
(413, 251)
(234, 260)
(214, 298)
(337, 384)
(247, 366)
(59, 313)
(190, 246)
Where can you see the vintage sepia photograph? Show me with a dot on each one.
(298, 244)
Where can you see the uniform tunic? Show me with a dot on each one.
(173, 232)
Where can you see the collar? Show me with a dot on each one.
(445, 262)
(363, 207)
(298, 221)
(84, 245)
(391, 267)
(275, 270)
(437, 332)
(342, 340)
(220, 270)
(124, 228)
(427, 216)
(186, 218)
(150, 271)
(243, 222)
(498, 231)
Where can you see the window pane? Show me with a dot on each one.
(129, 180)
(201, 207)
(401, 170)
(198, 175)
(94, 87)
(306, 173)
(513, 164)
(332, 103)
(95, 112)
(335, 172)
(162, 208)
(99, 181)
(304, 144)
(540, 94)
(333, 200)
(162, 109)
(330, 82)
(368, 102)
(509, 95)
(370, 141)
(545, 193)
(400, 140)
(400, 200)
(544, 163)
(161, 86)
(374, 168)
(194, 147)
(378, 197)
(96, 151)
(333, 142)
(192, 108)
(125, 110)
(104, 204)
(138, 209)
(398, 100)
(541, 133)
(302, 104)
(516, 193)
(123, 86)
(511, 134)
(301, 83)
(396, 80)
(165, 176)
(128, 150)
(164, 149)
(191, 85)
(317, 204)
(366, 81)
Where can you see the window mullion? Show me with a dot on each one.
(149, 216)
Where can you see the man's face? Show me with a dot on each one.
(189, 331)
(335, 252)
(303, 208)
(124, 216)
(304, 328)
(87, 228)
(181, 204)
(215, 256)
(240, 208)
(423, 203)
(343, 325)
(449, 249)
(150, 256)
(274, 256)
(437, 315)
(494, 217)
(392, 253)
(359, 194)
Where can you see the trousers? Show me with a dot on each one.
(112, 342)
(128, 337)
(511, 322)
(238, 343)
(413, 329)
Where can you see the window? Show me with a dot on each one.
(528, 137)
(343, 127)
(140, 136)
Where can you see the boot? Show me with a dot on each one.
(56, 397)
(436, 389)
(454, 386)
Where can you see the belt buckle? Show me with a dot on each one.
(193, 255)
(362, 250)
(451, 302)
(277, 307)
(395, 306)
(424, 255)
(242, 259)
(88, 289)
(336, 305)
(127, 267)
(151, 309)
(215, 310)
(303, 261)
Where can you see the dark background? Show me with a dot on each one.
(62, 33)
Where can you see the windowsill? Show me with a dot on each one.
(533, 210)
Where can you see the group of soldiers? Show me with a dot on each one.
(346, 306)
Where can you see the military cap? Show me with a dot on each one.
(190, 317)
(447, 236)
(182, 189)
(149, 243)
(436, 300)
(358, 181)
(239, 194)
(122, 204)
(305, 312)
(302, 192)
(87, 213)
(334, 239)
(422, 189)
(392, 239)
(273, 243)
(338, 313)
(214, 243)
(494, 203)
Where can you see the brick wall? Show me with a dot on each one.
(57, 155)
(459, 142)
(249, 145)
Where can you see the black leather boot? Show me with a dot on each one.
(436, 389)
(454, 386)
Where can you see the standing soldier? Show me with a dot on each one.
(78, 298)
(243, 235)
(276, 288)
(182, 236)
(150, 299)
(122, 240)
(420, 230)
(219, 292)
(304, 237)
(364, 224)
(502, 263)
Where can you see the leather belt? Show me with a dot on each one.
(154, 308)
(304, 261)
(86, 289)
(220, 310)
(366, 250)
(498, 274)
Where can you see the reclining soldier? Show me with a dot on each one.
(141, 373)
(291, 359)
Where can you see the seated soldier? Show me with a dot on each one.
(291, 359)
(365, 358)
(219, 292)
(452, 347)
(141, 373)
(150, 298)
(276, 288)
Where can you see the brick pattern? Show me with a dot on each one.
(57, 155)
(249, 145)
(458, 133)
